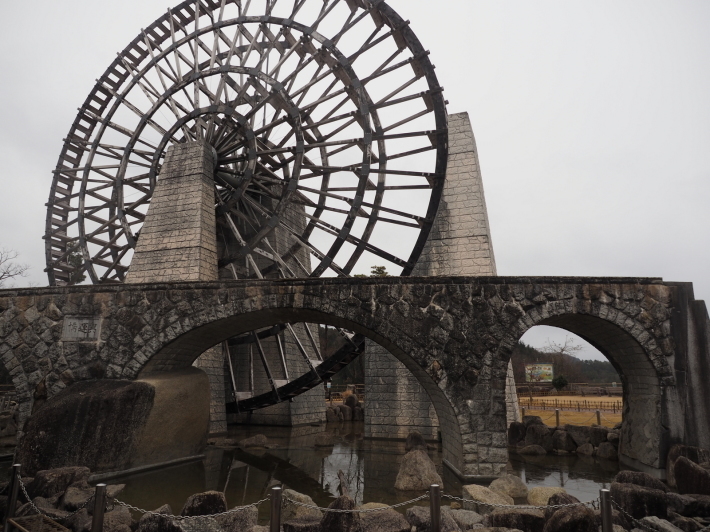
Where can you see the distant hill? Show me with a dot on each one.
(573, 369)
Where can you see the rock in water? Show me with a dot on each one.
(341, 522)
(481, 497)
(358, 414)
(292, 512)
(539, 435)
(420, 517)
(415, 441)
(640, 479)
(347, 412)
(331, 416)
(352, 401)
(690, 477)
(523, 519)
(516, 433)
(510, 485)
(580, 435)
(417, 472)
(238, 521)
(585, 449)
(541, 496)
(597, 435)
(607, 451)
(466, 519)
(532, 450)
(574, 519)
(207, 503)
(56, 481)
(157, 521)
(694, 454)
(562, 441)
(118, 520)
(114, 425)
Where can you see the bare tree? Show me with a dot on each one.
(568, 348)
(9, 269)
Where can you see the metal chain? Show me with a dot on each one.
(41, 512)
(636, 522)
(366, 511)
(519, 506)
(189, 517)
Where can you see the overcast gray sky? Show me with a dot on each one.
(592, 121)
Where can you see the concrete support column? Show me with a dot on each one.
(178, 243)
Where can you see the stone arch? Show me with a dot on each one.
(635, 354)
(173, 351)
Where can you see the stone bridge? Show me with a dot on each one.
(454, 334)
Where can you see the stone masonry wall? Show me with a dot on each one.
(454, 334)
(178, 243)
(459, 244)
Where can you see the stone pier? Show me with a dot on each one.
(459, 244)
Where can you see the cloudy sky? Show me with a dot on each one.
(592, 121)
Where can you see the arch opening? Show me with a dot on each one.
(643, 436)
(186, 348)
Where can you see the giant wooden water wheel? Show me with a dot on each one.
(327, 119)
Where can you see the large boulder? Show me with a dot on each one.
(562, 441)
(686, 524)
(118, 520)
(638, 501)
(341, 522)
(114, 425)
(690, 477)
(516, 433)
(677, 502)
(346, 411)
(417, 472)
(301, 525)
(238, 521)
(207, 503)
(660, 525)
(324, 439)
(331, 415)
(579, 434)
(383, 520)
(699, 507)
(482, 498)
(532, 450)
(420, 517)
(51, 482)
(539, 435)
(640, 479)
(532, 420)
(352, 401)
(292, 512)
(510, 485)
(558, 499)
(694, 454)
(75, 498)
(573, 519)
(158, 521)
(415, 441)
(526, 519)
(540, 496)
(466, 519)
(358, 414)
(597, 435)
(586, 449)
(607, 451)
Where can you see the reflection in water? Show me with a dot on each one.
(370, 468)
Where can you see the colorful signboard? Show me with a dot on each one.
(539, 373)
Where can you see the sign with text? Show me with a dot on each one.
(539, 373)
(81, 329)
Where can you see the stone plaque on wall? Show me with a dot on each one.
(81, 329)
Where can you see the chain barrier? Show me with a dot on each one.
(366, 511)
(641, 525)
(38, 510)
(189, 517)
(518, 506)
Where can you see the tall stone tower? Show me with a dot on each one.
(459, 244)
